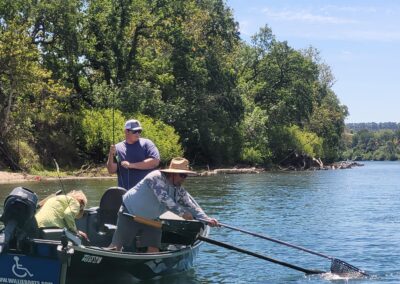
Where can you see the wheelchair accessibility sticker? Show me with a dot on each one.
(20, 269)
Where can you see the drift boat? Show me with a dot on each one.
(30, 255)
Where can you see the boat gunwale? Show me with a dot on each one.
(135, 255)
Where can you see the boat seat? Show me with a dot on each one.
(50, 233)
(57, 234)
(108, 209)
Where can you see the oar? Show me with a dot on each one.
(267, 258)
(337, 266)
(165, 227)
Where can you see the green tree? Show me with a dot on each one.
(98, 133)
(288, 85)
(164, 137)
(29, 97)
(327, 121)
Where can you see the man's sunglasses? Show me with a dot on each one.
(135, 131)
(183, 175)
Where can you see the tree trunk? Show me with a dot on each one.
(7, 158)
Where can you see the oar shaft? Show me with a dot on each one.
(159, 225)
(238, 249)
(145, 221)
(276, 241)
(337, 269)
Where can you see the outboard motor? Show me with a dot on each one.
(18, 216)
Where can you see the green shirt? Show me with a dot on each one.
(59, 211)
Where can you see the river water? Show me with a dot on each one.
(350, 214)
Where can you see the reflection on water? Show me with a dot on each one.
(350, 214)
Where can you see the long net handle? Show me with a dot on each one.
(276, 241)
(145, 221)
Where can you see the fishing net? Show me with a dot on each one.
(342, 268)
(181, 232)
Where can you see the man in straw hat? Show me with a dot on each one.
(158, 192)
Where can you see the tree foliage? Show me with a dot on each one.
(179, 66)
(373, 145)
(101, 128)
(284, 89)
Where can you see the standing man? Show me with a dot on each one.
(133, 158)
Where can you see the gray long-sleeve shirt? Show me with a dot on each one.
(154, 195)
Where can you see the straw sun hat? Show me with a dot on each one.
(179, 166)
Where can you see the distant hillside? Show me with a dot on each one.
(373, 126)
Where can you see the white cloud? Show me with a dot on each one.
(352, 9)
(323, 26)
(351, 35)
(305, 16)
(383, 36)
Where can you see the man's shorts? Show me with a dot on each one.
(127, 231)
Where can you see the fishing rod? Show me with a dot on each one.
(68, 200)
(62, 185)
(113, 120)
(59, 177)
(117, 159)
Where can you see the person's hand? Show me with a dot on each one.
(213, 222)
(125, 164)
(83, 235)
(187, 216)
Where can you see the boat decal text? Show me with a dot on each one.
(23, 269)
(22, 281)
(91, 259)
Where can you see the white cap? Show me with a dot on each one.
(133, 124)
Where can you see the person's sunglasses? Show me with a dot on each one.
(183, 175)
(135, 131)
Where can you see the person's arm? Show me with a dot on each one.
(151, 161)
(111, 165)
(147, 164)
(194, 208)
(197, 211)
(187, 201)
(159, 189)
(70, 212)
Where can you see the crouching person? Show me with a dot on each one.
(61, 211)
(158, 192)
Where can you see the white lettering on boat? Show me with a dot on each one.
(22, 281)
(91, 259)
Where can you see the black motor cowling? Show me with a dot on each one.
(19, 215)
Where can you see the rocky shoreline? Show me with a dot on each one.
(10, 177)
(232, 171)
(315, 167)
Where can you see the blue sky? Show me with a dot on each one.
(358, 39)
